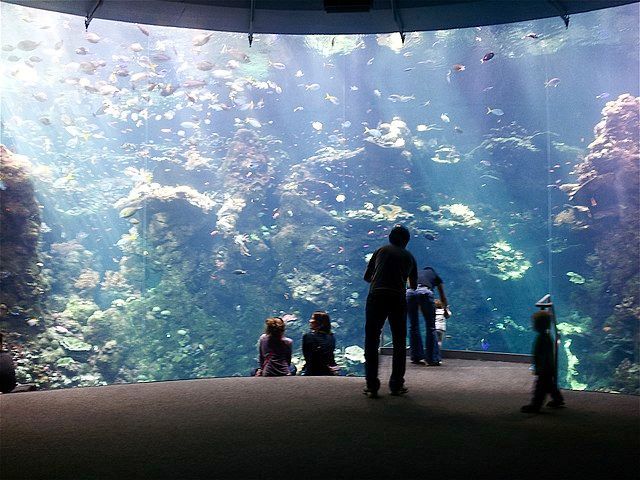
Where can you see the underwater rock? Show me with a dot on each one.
(503, 261)
(609, 176)
(575, 278)
(354, 353)
(21, 283)
(149, 195)
(384, 213)
(393, 134)
(606, 200)
(455, 215)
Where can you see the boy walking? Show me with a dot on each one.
(545, 367)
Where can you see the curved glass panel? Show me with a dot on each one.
(165, 190)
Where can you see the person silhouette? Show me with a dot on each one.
(318, 346)
(422, 299)
(387, 272)
(274, 350)
(545, 367)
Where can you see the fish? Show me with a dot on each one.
(28, 45)
(458, 67)
(277, 65)
(603, 95)
(128, 212)
(239, 272)
(332, 99)
(160, 57)
(81, 51)
(429, 236)
(353, 88)
(201, 39)
(204, 65)
(494, 111)
(317, 126)
(531, 35)
(311, 86)
(92, 37)
(298, 74)
(400, 98)
(377, 92)
(457, 129)
(40, 96)
(143, 29)
(253, 122)
(136, 47)
(8, 48)
(345, 124)
(373, 132)
(487, 56)
(445, 118)
(222, 74)
(552, 82)
(193, 83)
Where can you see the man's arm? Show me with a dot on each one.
(368, 274)
(413, 276)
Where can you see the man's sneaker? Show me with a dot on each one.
(370, 392)
(530, 409)
(434, 364)
(555, 404)
(418, 362)
(399, 391)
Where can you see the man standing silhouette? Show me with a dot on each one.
(387, 272)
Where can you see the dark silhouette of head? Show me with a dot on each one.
(399, 236)
(323, 321)
(541, 321)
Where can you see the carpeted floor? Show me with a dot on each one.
(460, 420)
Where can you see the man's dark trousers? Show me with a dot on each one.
(380, 306)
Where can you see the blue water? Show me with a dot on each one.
(189, 192)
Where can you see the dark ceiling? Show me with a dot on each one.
(310, 16)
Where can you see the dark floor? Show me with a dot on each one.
(460, 420)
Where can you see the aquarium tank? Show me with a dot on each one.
(165, 190)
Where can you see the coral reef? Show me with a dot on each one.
(21, 284)
(607, 190)
(503, 261)
(455, 215)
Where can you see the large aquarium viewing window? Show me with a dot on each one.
(165, 190)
